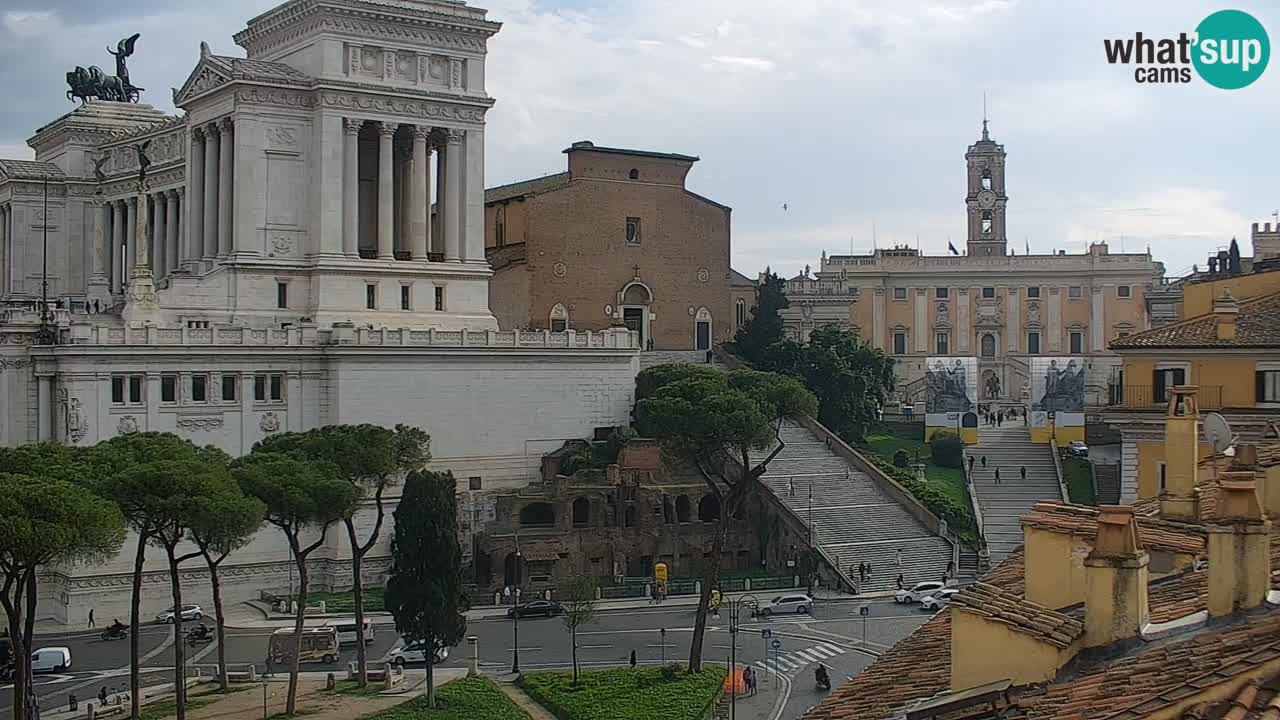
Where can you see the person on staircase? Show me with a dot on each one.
(1023, 472)
(971, 459)
(997, 476)
(984, 462)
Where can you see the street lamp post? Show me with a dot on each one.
(515, 612)
(735, 607)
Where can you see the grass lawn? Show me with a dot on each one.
(466, 699)
(352, 687)
(640, 694)
(195, 699)
(886, 441)
(1076, 473)
(344, 602)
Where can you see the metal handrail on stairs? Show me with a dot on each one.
(1057, 468)
(983, 552)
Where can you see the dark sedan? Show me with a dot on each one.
(536, 608)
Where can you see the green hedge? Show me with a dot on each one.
(467, 699)
(947, 449)
(959, 518)
(641, 694)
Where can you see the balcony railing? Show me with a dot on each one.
(1146, 397)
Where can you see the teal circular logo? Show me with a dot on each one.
(1231, 49)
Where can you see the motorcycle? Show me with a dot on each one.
(821, 679)
(199, 635)
(115, 634)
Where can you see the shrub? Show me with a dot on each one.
(900, 459)
(947, 449)
(669, 693)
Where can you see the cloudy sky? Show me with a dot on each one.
(853, 113)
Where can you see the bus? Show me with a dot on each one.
(319, 645)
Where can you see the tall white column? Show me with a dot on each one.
(171, 229)
(473, 198)
(159, 234)
(437, 222)
(386, 207)
(119, 231)
(44, 422)
(403, 216)
(351, 187)
(4, 248)
(452, 204)
(209, 245)
(131, 211)
(102, 248)
(226, 165)
(418, 194)
(193, 246)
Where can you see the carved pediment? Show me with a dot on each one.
(208, 74)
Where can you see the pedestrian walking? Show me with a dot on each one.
(971, 464)
(791, 487)
(1023, 472)
(102, 696)
(633, 659)
(749, 679)
(91, 623)
(868, 571)
(902, 582)
(506, 595)
(984, 462)
(897, 556)
(997, 476)
(1000, 418)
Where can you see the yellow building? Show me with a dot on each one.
(1164, 610)
(1228, 346)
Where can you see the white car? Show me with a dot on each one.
(50, 659)
(938, 600)
(414, 653)
(190, 613)
(795, 603)
(347, 631)
(918, 592)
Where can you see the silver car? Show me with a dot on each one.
(793, 603)
(190, 613)
(415, 653)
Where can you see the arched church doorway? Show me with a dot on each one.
(635, 302)
(702, 329)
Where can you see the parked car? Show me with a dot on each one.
(918, 592)
(536, 608)
(50, 659)
(793, 603)
(415, 653)
(347, 631)
(1077, 448)
(938, 600)
(189, 613)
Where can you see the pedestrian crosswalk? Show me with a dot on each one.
(794, 660)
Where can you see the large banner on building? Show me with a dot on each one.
(1057, 399)
(951, 396)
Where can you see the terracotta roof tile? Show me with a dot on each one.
(526, 187)
(1257, 326)
(1020, 614)
(1155, 533)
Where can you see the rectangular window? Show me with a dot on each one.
(439, 299)
(405, 294)
(229, 388)
(1033, 292)
(268, 388)
(197, 324)
(1163, 379)
(899, 343)
(371, 297)
(988, 293)
(1033, 343)
(1268, 385)
(282, 295)
(135, 389)
(942, 293)
(275, 387)
(474, 483)
(1077, 343)
(1074, 292)
(1122, 291)
(259, 388)
(199, 388)
(168, 388)
(633, 231)
(1164, 471)
(899, 293)
(940, 343)
(117, 390)
(501, 233)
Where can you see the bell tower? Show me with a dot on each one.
(986, 199)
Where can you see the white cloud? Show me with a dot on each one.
(743, 63)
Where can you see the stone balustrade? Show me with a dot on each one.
(342, 334)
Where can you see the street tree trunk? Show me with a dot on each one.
(29, 630)
(18, 643)
(430, 654)
(710, 576)
(357, 591)
(220, 625)
(573, 637)
(135, 621)
(295, 662)
(179, 646)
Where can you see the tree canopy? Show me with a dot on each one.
(851, 378)
(764, 328)
(45, 520)
(297, 494)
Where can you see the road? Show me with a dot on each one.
(832, 635)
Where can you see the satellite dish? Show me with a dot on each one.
(1218, 432)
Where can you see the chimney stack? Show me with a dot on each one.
(1239, 547)
(1116, 576)
(1225, 311)
(1181, 455)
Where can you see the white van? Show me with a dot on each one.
(52, 659)
(347, 631)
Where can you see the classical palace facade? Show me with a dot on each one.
(277, 268)
(1000, 307)
(616, 240)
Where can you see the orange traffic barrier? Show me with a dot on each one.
(734, 684)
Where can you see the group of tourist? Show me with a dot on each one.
(1022, 471)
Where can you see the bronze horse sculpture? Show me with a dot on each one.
(94, 83)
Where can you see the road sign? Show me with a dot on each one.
(776, 644)
(766, 633)
(864, 611)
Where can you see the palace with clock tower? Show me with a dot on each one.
(986, 199)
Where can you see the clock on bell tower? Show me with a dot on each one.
(986, 199)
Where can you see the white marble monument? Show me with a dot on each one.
(313, 229)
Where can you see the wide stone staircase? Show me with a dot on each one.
(853, 521)
(650, 358)
(1010, 448)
